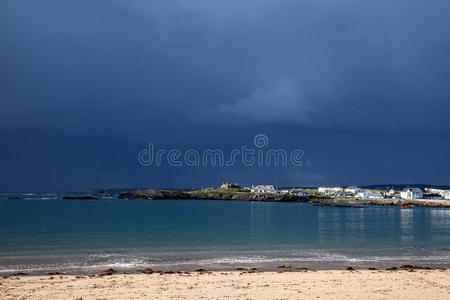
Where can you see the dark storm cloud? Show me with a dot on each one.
(84, 85)
(359, 66)
(366, 66)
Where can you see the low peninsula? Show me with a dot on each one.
(247, 195)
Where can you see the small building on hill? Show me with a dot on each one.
(227, 185)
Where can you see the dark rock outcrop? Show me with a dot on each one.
(145, 271)
(155, 195)
(108, 272)
(411, 268)
(200, 270)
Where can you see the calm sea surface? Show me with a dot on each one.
(40, 233)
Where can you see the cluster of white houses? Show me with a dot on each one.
(351, 192)
(443, 193)
(266, 188)
(258, 189)
(355, 192)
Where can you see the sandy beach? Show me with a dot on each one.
(364, 284)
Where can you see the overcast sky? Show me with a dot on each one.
(361, 87)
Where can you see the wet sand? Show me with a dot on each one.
(299, 284)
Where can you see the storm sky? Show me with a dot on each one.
(361, 87)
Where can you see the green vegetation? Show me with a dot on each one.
(313, 192)
(224, 191)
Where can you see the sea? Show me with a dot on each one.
(42, 233)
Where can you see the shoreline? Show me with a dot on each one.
(273, 266)
(214, 195)
(410, 284)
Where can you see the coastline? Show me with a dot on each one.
(237, 284)
(390, 202)
(153, 194)
(275, 265)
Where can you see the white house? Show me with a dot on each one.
(444, 193)
(330, 190)
(377, 195)
(411, 193)
(435, 191)
(364, 194)
(258, 189)
(352, 189)
(390, 193)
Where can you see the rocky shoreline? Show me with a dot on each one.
(242, 195)
(248, 269)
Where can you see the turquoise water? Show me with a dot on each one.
(37, 233)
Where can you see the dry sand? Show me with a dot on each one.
(420, 284)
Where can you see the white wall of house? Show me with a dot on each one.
(330, 190)
(435, 191)
(352, 189)
(364, 194)
(377, 195)
(412, 193)
(446, 195)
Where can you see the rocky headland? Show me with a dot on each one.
(211, 194)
